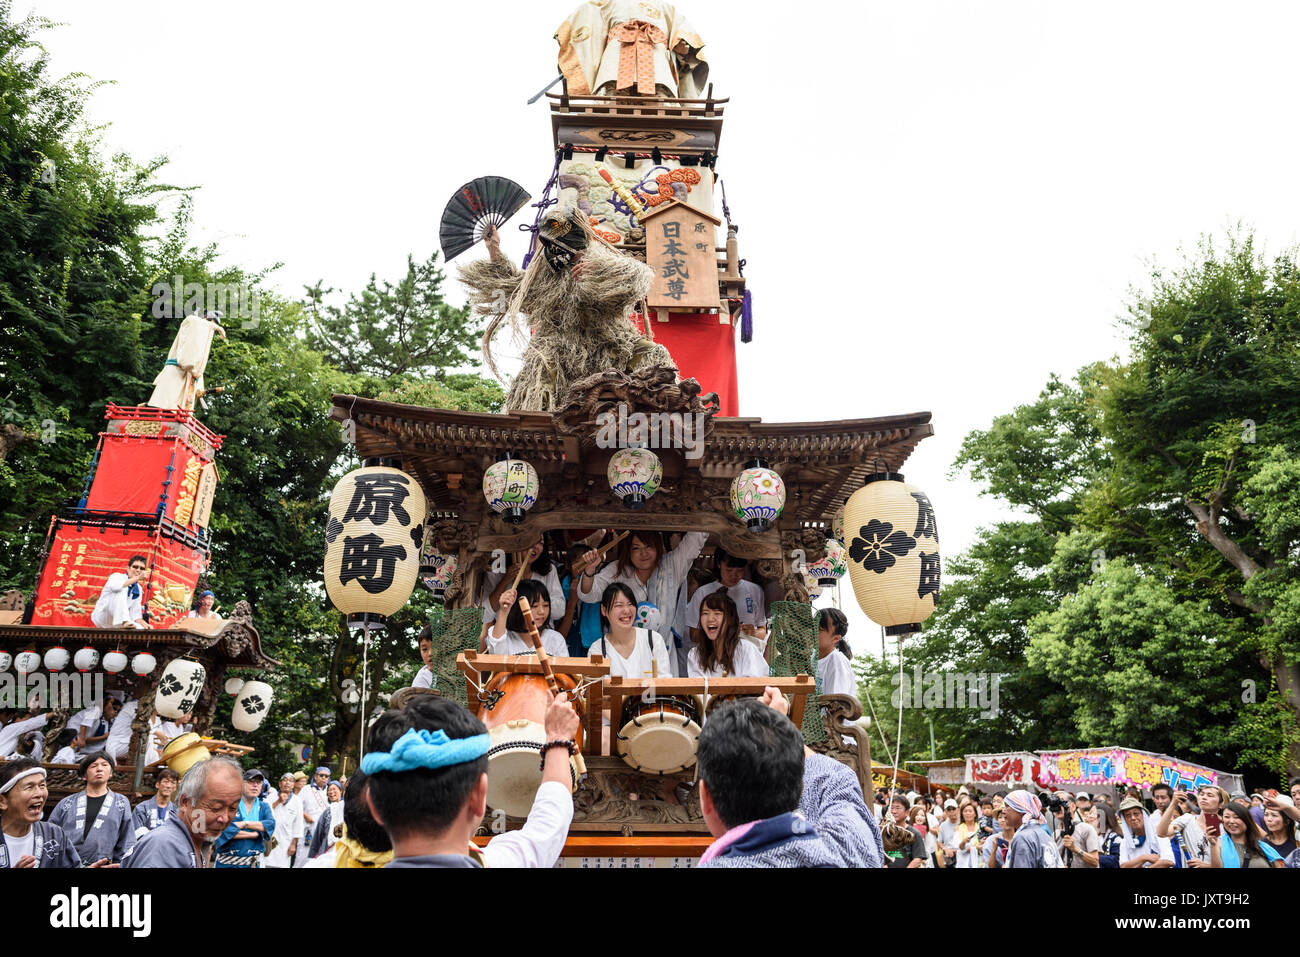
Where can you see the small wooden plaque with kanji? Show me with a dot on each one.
(679, 248)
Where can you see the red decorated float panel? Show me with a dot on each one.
(704, 349)
(81, 559)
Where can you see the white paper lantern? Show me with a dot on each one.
(114, 662)
(252, 706)
(372, 543)
(832, 566)
(634, 475)
(511, 487)
(27, 662)
(436, 567)
(758, 496)
(86, 659)
(56, 658)
(233, 685)
(893, 546)
(179, 688)
(144, 663)
(6, 660)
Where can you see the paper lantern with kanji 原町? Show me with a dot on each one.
(893, 546)
(510, 486)
(372, 543)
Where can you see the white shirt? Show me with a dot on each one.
(747, 596)
(423, 678)
(512, 644)
(663, 587)
(748, 660)
(636, 665)
(19, 847)
(539, 842)
(14, 730)
(288, 826)
(119, 735)
(167, 727)
(1131, 846)
(313, 801)
(114, 595)
(837, 674)
(551, 580)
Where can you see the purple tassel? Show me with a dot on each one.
(747, 318)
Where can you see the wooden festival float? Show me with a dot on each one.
(639, 168)
(149, 492)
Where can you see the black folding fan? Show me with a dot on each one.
(480, 203)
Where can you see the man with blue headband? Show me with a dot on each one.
(427, 765)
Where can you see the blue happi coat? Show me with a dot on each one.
(111, 835)
(52, 848)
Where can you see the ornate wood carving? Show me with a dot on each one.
(648, 391)
(841, 711)
(55, 721)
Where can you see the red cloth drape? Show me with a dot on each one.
(705, 350)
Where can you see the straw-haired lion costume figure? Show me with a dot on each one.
(576, 295)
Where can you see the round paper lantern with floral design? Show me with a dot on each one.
(436, 567)
(510, 486)
(833, 564)
(26, 662)
(56, 658)
(758, 496)
(837, 524)
(634, 475)
(893, 548)
(252, 706)
(372, 543)
(86, 659)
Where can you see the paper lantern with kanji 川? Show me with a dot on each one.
(56, 658)
(372, 543)
(252, 706)
(758, 496)
(893, 546)
(114, 662)
(86, 659)
(26, 662)
(179, 688)
(832, 566)
(6, 660)
(634, 475)
(510, 486)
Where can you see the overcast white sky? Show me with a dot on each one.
(940, 203)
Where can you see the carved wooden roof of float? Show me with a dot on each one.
(822, 463)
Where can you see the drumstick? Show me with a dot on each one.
(548, 672)
(519, 574)
(601, 552)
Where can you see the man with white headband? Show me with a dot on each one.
(427, 786)
(1030, 847)
(29, 841)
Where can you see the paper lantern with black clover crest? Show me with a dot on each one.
(372, 543)
(252, 705)
(893, 550)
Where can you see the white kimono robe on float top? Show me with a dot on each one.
(591, 50)
(179, 383)
(111, 835)
(117, 605)
(50, 844)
